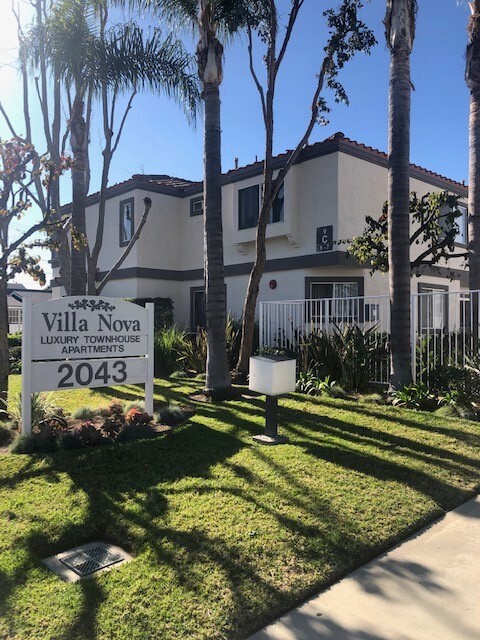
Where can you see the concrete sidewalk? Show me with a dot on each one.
(427, 588)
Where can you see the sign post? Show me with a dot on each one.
(87, 342)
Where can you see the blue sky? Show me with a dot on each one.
(158, 138)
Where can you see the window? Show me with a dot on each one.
(249, 207)
(196, 206)
(462, 225)
(197, 308)
(277, 211)
(335, 302)
(126, 221)
(432, 308)
(460, 221)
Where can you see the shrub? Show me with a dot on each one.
(413, 396)
(464, 380)
(42, 408)
(135, 432)
(319, 353)
(115, 409)
(134, 405)
(87, 435)
(33, 443)
(137, 417)
(15, 352)
(168, 347)
(6, 434)
(84, 413)
(171, 415)
(112, 427)
(309, 383)
(163, 310)
(194, 352)
(361, 352)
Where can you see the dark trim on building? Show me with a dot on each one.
(310, 261)
(335, 258)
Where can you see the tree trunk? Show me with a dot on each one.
(59, 237)
(401, 39)
(3, 338)
(472, 76)
(78, 140)
(217, 383)
(248, 316)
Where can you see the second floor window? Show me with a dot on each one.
(249, 207)
(126, 221)
(462, 225)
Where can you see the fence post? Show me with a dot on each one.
(413, 333)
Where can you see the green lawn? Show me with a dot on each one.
(226, 534)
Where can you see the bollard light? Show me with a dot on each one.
(273, 376)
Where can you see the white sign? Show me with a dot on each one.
(85, 342)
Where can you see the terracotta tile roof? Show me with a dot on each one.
(166, 181)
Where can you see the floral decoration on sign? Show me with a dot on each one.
(92, 305)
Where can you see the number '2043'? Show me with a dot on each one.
(84, 374)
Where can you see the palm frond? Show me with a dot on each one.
(153, 63)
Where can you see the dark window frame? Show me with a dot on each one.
(131, 201)
(193, 202)
(359, 281)
(463, 243)
(193, 292)
(257, 187)
(439, 288)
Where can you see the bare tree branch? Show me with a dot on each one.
(296, 6)
(254, 74)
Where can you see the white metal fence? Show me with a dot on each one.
(15, 319)
(444, 327)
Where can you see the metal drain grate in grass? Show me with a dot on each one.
(85, 561)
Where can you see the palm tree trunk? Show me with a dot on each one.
(78, 140)
(472, 76)
(217, 383)
(400, 30)
(3, 337)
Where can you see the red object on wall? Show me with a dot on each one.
(272, 284)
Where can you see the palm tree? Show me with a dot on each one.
(88, 57)
(472, 76)
(400, 33)
(210, 20)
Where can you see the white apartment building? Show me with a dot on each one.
(327, 194)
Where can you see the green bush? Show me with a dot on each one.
(361, 353)
(464, 380)
(413, 396)
(42, 408)
(136, 432)
(171, 415)
(6, 434)
(15, 352)
(163, 310)
(318, 352)
(168, 346)
(194, 352)
(84, 413)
